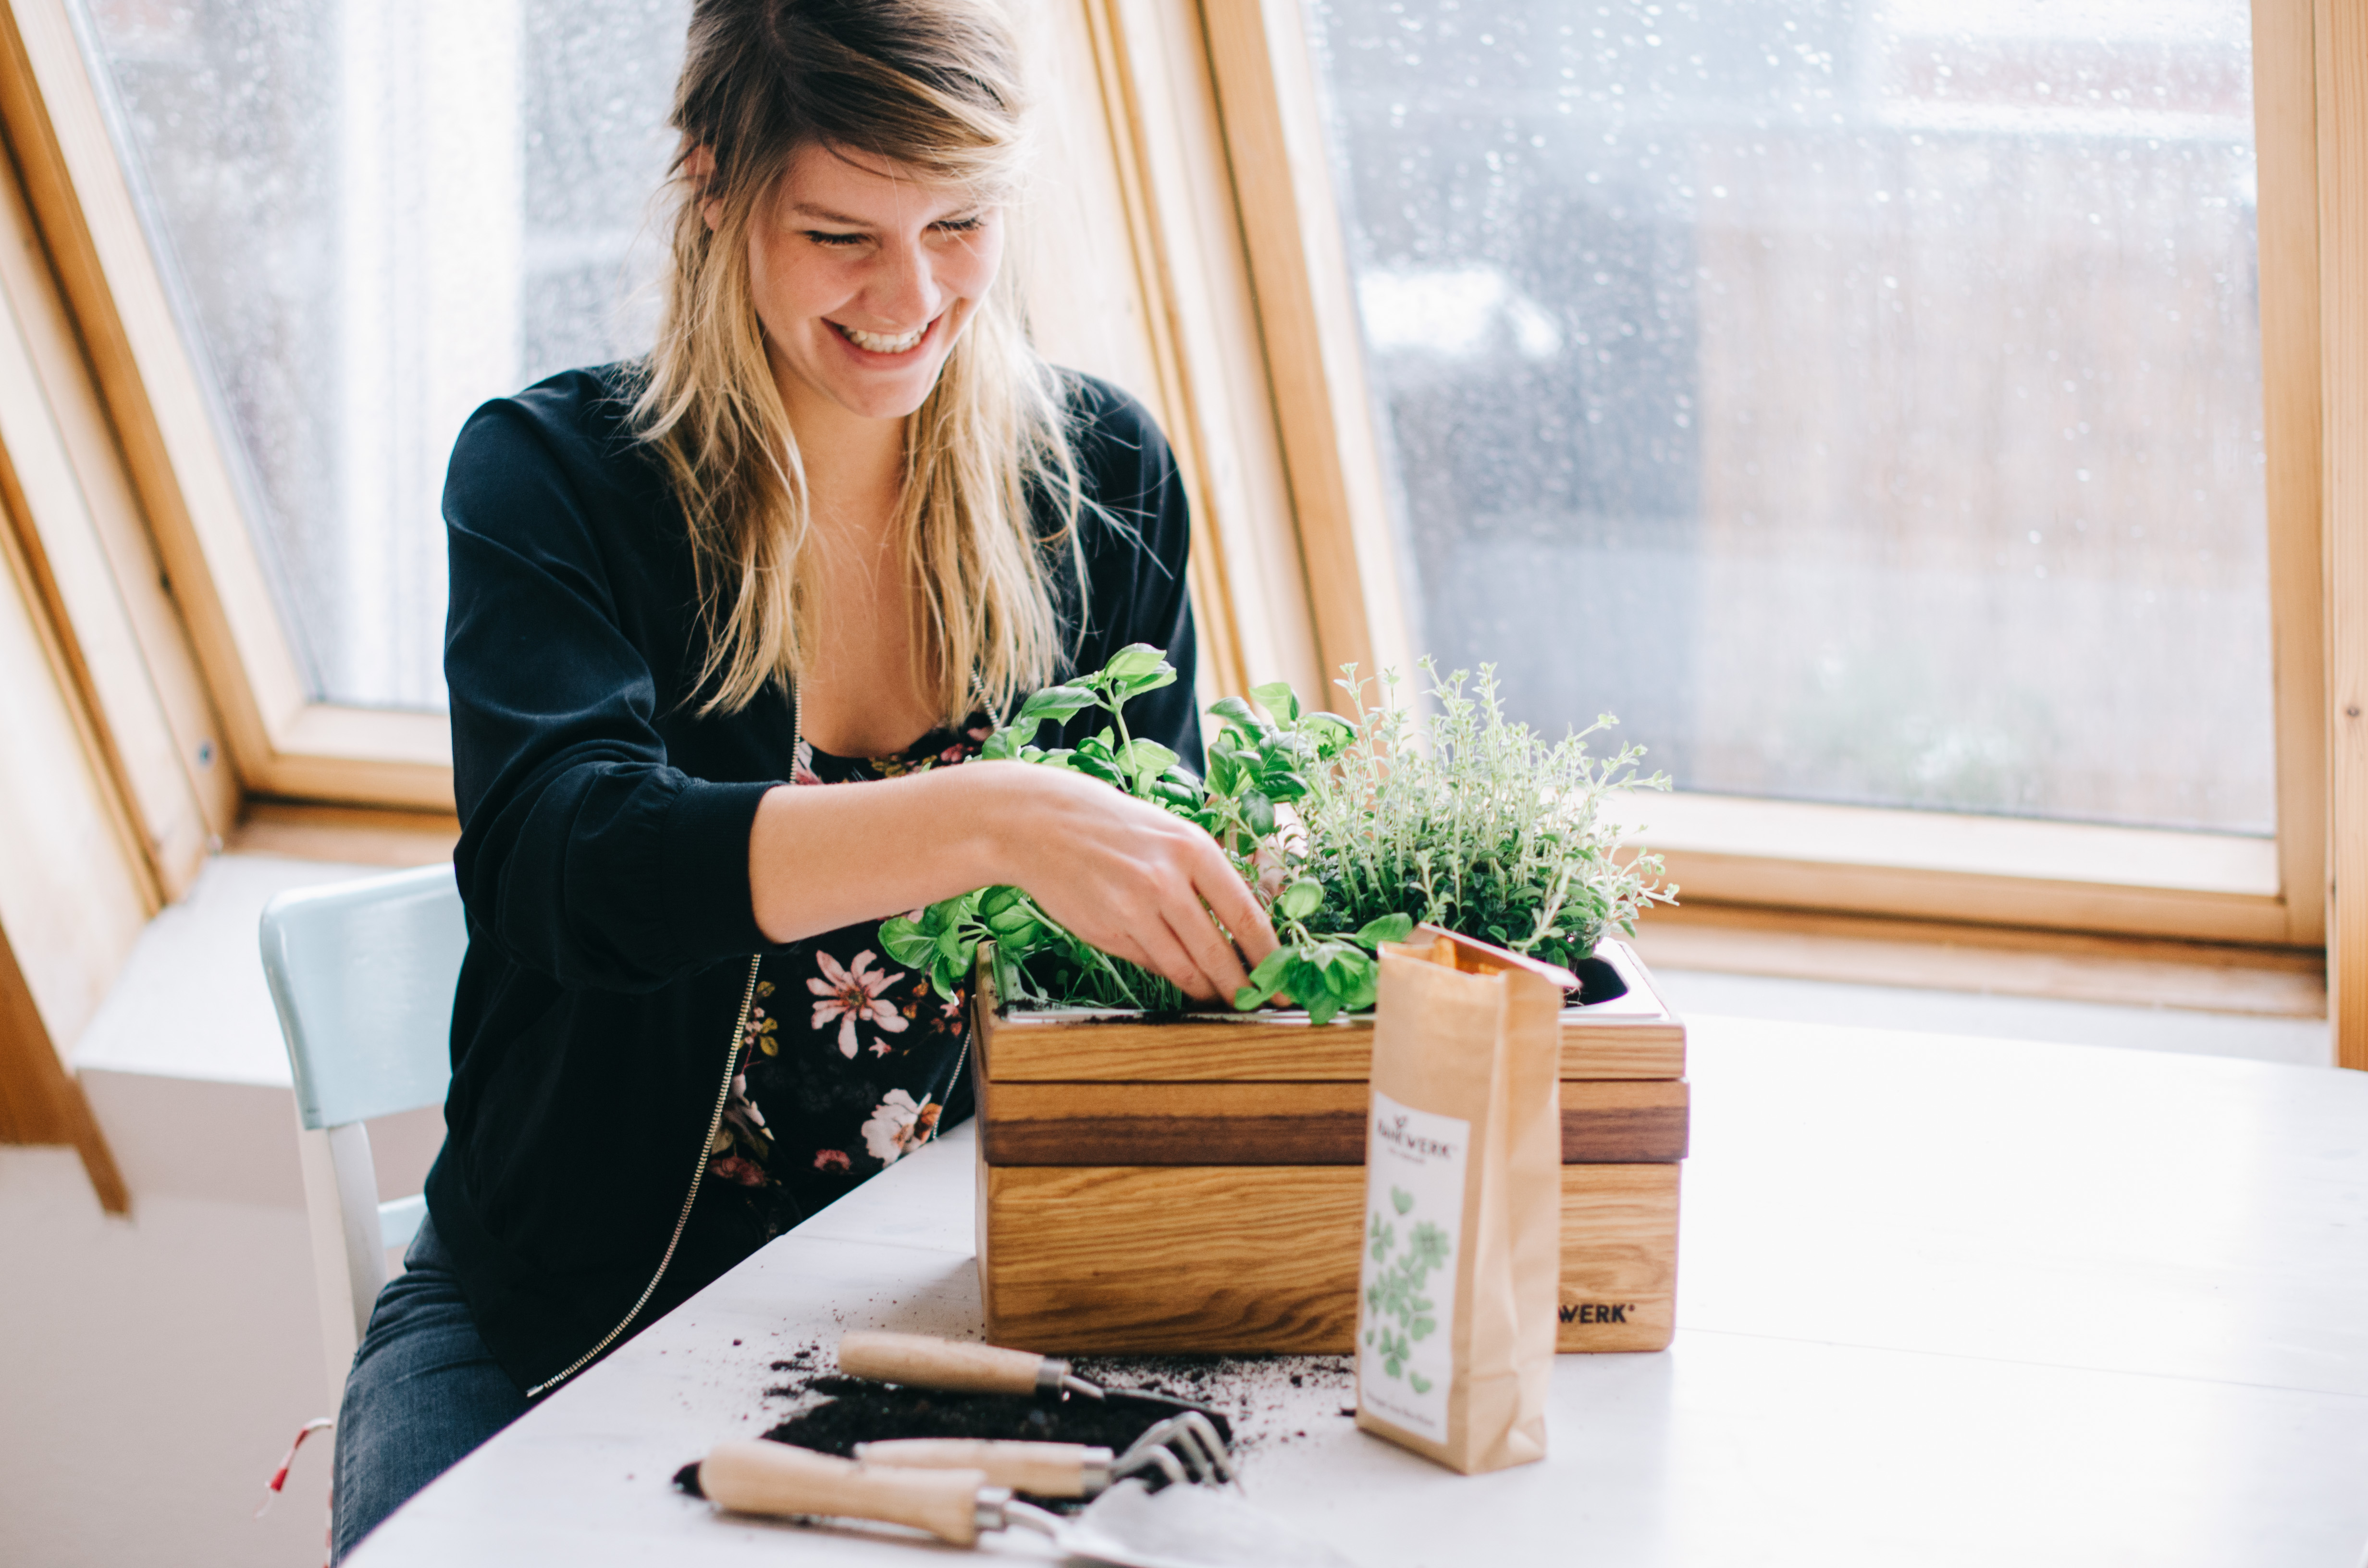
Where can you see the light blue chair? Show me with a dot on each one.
(362, 974)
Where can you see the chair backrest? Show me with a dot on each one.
(362, 974)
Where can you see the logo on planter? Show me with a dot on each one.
(1597, 1311)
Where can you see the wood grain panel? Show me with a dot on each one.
(90, 223)
(1314, 360)
(2342, 51)
(2286, 234)
(2127, 971)
(1635, 1036)
(1264, 1258)
(1603, 1122)
(1272, 1048)
(1205, 286)
(83, 527)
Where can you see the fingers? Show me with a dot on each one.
(1172, 957)
(1235, 908)
(1149, 888)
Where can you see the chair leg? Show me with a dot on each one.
(332, 1281)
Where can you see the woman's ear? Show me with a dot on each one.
(699, 167)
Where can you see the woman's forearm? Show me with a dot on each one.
(821, 859)
(1119, 873)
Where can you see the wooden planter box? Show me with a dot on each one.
(1198, 1184)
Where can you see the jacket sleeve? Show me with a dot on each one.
(583, 854)
(1138, 567)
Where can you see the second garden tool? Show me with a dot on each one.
(921, 1360)
(1182, 1527)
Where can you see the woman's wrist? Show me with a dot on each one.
(820, 858)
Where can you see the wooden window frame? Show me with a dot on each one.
(1914, 864)
(282, 741)
(1222, 182)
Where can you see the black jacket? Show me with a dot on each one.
(604, 846)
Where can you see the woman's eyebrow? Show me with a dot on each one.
(825, 215)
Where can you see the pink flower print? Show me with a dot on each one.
(898, 1126)
(852, 995)
(801, 766)
(832, 1160)
(732, 1167)
(953, 753)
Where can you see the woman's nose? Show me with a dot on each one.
(904, 290)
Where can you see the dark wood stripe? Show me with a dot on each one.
(1610, 1122)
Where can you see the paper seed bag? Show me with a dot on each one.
(1463, 1244)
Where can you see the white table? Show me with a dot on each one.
(1941, 1301)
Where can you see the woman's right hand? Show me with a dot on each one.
(1131, 879)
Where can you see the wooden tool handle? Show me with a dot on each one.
(1042, 1470)
(947, 1364)
(750, 1477)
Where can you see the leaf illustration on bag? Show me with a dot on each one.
(1396, 1291)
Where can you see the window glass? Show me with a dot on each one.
(374, 216)
(1861, 398)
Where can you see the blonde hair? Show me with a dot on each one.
(932, 85)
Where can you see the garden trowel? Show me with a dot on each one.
(921, 1360)
(1181, 1526)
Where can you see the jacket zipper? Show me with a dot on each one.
(715, 1120)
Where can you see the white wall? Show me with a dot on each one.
(154, 1369)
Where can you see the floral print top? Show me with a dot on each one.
(849, 1063)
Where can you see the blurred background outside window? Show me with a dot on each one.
(375, 215)
(1861, 398)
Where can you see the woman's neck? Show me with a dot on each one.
(864, 691)
(854, 466)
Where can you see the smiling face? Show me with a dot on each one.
(863, 276)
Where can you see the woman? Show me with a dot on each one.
(839, 517)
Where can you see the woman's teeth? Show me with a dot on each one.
(876, 343)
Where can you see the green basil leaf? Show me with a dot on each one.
(1144, 759)
(1057, 703)
(1257, 812)
(1277, 697)
(1300, 900)
(1236, 711)
(1283, 784)
(1388, 928)
(907, 943)
(1134, 661)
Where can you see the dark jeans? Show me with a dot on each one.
(424, 1390)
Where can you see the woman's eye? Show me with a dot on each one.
(824, 237)
(960, 225)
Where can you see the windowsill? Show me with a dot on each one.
(1954, 844)
(191, 1002)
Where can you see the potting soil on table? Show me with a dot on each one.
(1259, 1401)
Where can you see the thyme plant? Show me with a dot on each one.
(1478, 824)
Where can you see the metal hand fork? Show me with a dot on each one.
(919, 1361)
(1184, 1527)
(1059, 1470)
